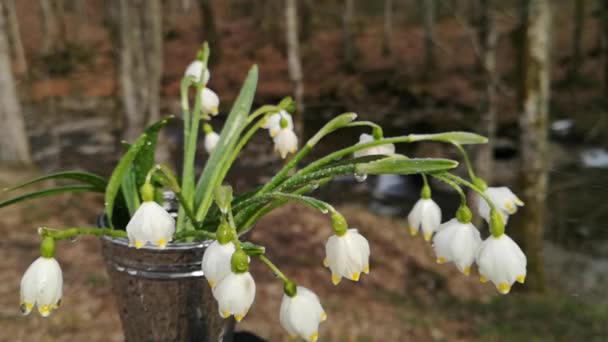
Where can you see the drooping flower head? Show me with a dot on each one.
(301, 314)
(386, 149)
(273, 123)
(347, 252)
(286, 141)
(457, 242)
(425, 215)
(151, 223)
(211, 138)
(195, 69)
(42, 283)
(210, 102)
(501, 261)
(216, 264)
(235, 293)
(505, 201)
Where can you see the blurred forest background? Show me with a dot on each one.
(77, 77)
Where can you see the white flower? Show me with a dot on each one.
(501, 261)
(347, 256)
(216, 262)
(211, 140)
(235, 294)
(386, 149)
(301, 314)
(150, 223)
(210, 103)
(286, 142)
(42, 285)
(273, 123)
(425, 214)
(195, 69)
(458, 242)
(505, 201)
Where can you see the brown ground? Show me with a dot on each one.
(386, 305)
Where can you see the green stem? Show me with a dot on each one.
(265, 109)
(187, 209)
(469, 185)
(69, 233)
(273, 268)
(195, 234)
(463, 196)
(279, 177)
(467, 161)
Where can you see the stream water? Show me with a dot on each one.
(83, 135)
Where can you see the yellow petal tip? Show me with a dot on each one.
(427, 237)
(325, 262)
(224, 314)
(138, 244)
(483, 279)
(366, 269)
(162, 243)
(503, 288)
(413, 232)
(323, 317)
(466, 271)
(440, 260)
(521, 279)
(355, 276)
(335, 279)
(314, 337)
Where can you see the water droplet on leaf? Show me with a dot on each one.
(360, 177)
(314, 185)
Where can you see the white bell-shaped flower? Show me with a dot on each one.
(301, 314)
(273, 123)
(425, 214)
(41, 285)
(386, 149)
(286, 142)
(195, 69)
(347, 256)
(150, 224)
(211, 140)
(505, 201)
(458, 242)
(501, 261)
(216, 262)
(235, 294)
(210, 103)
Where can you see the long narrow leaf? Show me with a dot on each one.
(236, 122)
(129, 190)
(400, 165)
(49, 192)
(144, 160)
(86, 177)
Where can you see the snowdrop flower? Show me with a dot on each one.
(347, 256)
(211, 140)
(286, 142)
(301, 314)
(195, 69)
(216, 262)
(42, 285)
(210, 103)
(501, 261)
(236, 292)
(458, 242)
(425, 214)
(150, 223)
(273, 123)
(505, 201)
(386, 149)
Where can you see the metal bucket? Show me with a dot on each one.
(161, 294)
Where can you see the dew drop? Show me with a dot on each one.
(360, 177)
(324, 211)
(131, 271)
(40, 230)
(314, 185)
(149, 143)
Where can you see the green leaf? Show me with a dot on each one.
(253, 249)
(130, 192)
(462, 138)
(98, 182)
(236, 122)
(49, 192)
(144, 160)
(400, 165)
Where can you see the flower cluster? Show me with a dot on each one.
(280, 129)
(498, 257)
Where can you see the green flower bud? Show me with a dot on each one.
(339, 223)
(207, 128)
(497, 223)
(147, 192)
(290, 288)
(224, 233)
(47, 247)
(377, 133)
(288, 105)
(480, 183)
(239, 262)
(463, 214)
(425, 192)
(284, 123)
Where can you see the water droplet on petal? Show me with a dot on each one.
(360, 177)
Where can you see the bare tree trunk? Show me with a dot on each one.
(10, 13)
(14, 146)
(349, 45)
(388, 28)
(306, 11)
(53, 33)
(294, 62)
(209, 29)
(140, 36)
(487, 42)
(535, 91)
(428, 13)
(604, 45)
(577, 32)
